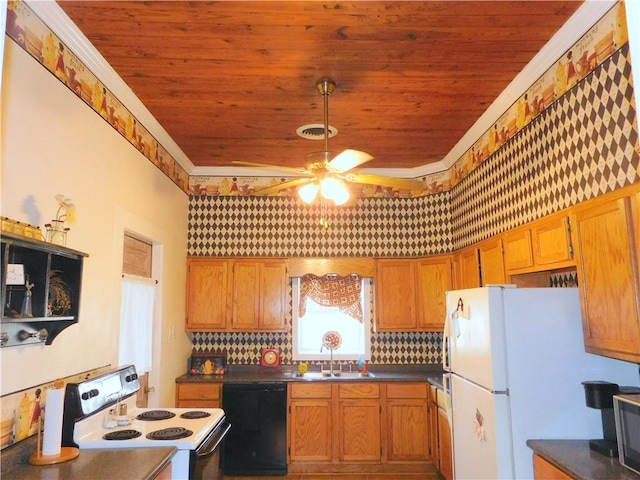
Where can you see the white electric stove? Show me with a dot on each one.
(101, 413)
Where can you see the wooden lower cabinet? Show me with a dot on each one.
(543, 470)
(407, 422)
(359, 431)
(441, 449)
(432, 411)
(445, 463)
(198, 395)
(310, 422)
(378, 427)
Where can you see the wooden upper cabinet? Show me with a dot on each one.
(469, 268)
(396, 304)
(542, 245)
(518, 253)
(259, 295)
(552, 240)
(492, 262)
(236, 295)
(608, 276)
(208, 292)
(434, 280)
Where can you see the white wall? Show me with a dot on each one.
(51, 142)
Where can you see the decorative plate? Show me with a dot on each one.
(332, 340)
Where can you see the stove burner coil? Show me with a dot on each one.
(156, 415)
(121, 435)
(195, 414)
(171, 433)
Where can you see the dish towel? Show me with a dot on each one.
(136, 322)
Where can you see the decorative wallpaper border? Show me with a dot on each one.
(26, 29)
(21, 410)
(598, 44)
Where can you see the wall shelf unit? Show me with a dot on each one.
(41, 285)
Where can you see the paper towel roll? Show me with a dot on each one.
(54, 407)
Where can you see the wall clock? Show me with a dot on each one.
(270, 357)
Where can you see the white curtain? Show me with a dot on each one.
(136, 322)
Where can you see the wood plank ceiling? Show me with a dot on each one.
(233, 80)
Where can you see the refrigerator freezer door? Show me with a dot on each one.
(481, 432)
(476, 336)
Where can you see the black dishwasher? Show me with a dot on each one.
(257, 441)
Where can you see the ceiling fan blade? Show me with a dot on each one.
(348, 159)
(282, 186)
(282, 168)
(400, 183)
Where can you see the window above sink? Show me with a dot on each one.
(309, 330)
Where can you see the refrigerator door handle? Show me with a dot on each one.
(447, 398)
(446, 362)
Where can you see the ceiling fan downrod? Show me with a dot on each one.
(326, 88)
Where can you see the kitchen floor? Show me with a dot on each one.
(346, 476)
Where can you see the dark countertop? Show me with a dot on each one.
(287, 373)
(109, 464)
(576, 459)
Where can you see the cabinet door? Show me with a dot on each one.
(444, 441)
(259, 289)
(396, 295)
(310, 427)
(207, 294)
(246, 295)
(543, 470)
(518, 252)
(434, 279)
(552, 240)
(434, 449)
(359, 430)
(408, 430)
(608, 278)
(492, 262)
(458, 281)
(470, 268)
(273, 295)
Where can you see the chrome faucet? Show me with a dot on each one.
(328, 345)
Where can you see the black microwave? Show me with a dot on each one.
(627, 414)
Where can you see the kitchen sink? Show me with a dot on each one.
(336, 375)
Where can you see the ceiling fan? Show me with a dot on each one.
(326, 174)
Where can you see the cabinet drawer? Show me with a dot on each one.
(359, 390)
(407, 390)
(306, 390)
(198, 391)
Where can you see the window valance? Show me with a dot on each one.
(332, 291)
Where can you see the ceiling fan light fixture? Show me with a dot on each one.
(309, 192)
(334, 189)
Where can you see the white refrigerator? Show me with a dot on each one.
(516, 364)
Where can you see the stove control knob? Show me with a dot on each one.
(131, 378)
(90, 394)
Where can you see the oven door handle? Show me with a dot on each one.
(211, 444)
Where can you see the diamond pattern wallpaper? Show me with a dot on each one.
(581, 147)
